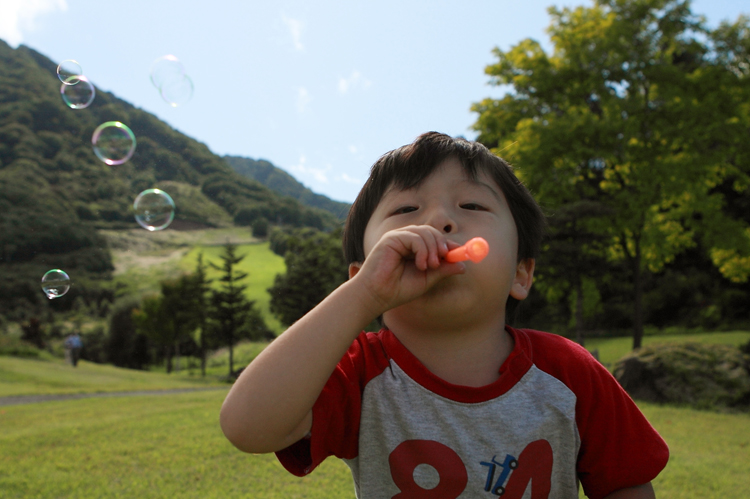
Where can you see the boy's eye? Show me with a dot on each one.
(405, 209)
(473, 206)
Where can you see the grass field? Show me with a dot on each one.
(54, 376)
(172, 446)
(613, 349)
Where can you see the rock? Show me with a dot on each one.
(695, 374)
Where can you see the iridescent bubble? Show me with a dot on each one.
(177, 91)
(154, 209)
(114, 142)
(165, 69)
(55, 283)
(77, 92)
(69, 71)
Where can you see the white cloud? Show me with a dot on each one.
(17, 16)
(355, 80)
(346, 178)
(319, 174)
(353, 149)
(295, 27)
(303, 99)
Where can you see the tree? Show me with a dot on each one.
(636, 109)
(572, 261)
(201, 283)
(315, 266)
(234, 316)
(169, 318)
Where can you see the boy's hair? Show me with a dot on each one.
(407, 166)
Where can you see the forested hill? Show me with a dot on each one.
(281, 182)
(55, 192)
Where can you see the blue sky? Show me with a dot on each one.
(320, 89)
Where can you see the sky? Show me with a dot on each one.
(320, 89)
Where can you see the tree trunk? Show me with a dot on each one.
(177, 356)
(168, 354)
(638, 292)
(579, 312)
(203, 354)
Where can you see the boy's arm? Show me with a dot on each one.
(645, 491)
(270, 405)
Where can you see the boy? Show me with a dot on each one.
(446, 401)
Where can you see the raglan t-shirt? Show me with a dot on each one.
(553, 417)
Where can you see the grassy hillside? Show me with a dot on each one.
(143, 259)
(54, 376)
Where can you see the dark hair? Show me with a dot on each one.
(407, 166)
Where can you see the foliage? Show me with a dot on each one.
(315, 267)
(260, 227)
(125, 345)
(640, 108)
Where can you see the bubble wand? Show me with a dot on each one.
(474, 249)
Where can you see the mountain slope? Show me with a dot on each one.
(280, 181)
(55, 193)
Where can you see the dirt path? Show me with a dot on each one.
(33, 399)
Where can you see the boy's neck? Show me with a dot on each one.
(467, 357)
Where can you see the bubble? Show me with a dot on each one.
(154, 209)
(114, 142)
(55, 283)
(169, 77)
(69, 72)
(77, 92)
(164, 69)
(177, 91)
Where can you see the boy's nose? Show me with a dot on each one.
(443, 222)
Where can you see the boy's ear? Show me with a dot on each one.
(354, 268)
(523, 280)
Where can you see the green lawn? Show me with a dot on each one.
(172, 446)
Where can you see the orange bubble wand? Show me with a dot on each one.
(474, 249)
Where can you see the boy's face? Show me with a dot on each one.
(461, 209)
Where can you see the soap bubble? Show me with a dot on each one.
(165, 69)
(177, 91)
(114, 142)
(77, 92)
(154, 209)
(168, 75)
(69, 72)
(55, 283)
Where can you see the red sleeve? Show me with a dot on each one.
(619, 447)
(336, 413)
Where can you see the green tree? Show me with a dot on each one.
(201, 288)
(315, 267)
(233, 316)
(636, 110)
(169, 319)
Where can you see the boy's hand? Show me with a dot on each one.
(405, 263)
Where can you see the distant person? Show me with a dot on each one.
(73, 346)
(447, 400)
